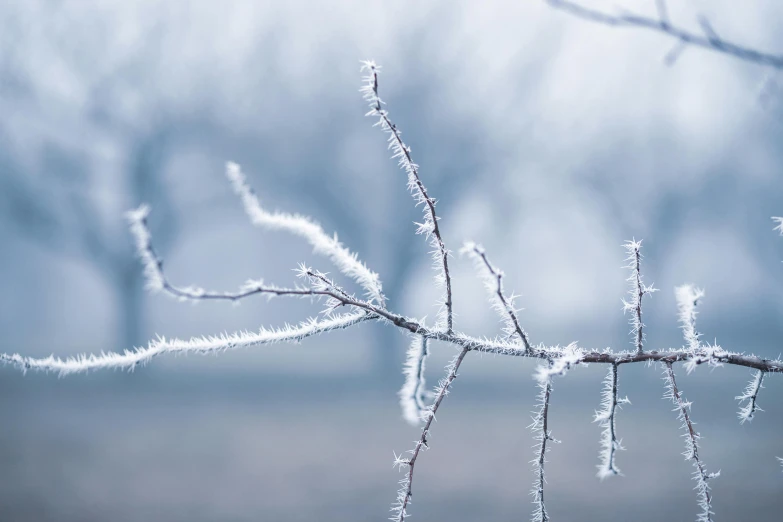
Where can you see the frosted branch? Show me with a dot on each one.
(540, 427)
(708, 40)
(402, 152)
(129, 359)
(691, 445)
(405, 493)
(779, 226)
(413, 390)
(493, 280)
(687, 299)
(560, 361)
(637, 291)
(346, 261)
(750, 395)
(606, 417)
(153, 266)
(157, 280)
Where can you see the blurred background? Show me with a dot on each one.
(547, 139)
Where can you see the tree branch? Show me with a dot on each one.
(709, 40)
(430, 227)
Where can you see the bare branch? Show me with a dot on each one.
(413, 391)
(129, 359)
(691, 445)
(157, 280)
(346, 261)
(610, 444)
(750, 394)
(404, 495)
(558, 364)
(637, 291)
(687, 299)
(504, 306)
(541, 427)
(708, 41)
(430, 227)
(663, 12)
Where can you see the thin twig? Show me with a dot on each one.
(541, 427)
(691, 444)
(751, 395)
(504, 305)
(430, 227)
(413, 390)
(662, 25)
(606, 418)
(406, 484)
(323, 244)
(637, 291)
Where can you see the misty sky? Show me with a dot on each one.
(547, 139)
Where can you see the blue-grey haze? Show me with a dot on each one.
(548, 140)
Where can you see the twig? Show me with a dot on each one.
(346, 261)
(751, 395)
(606, 418)
(494, 283)
(412, 391)
(430, 227)
(405, 493)
(707, 41)
(157, 280)
(691, 445)
(688, 297)
(541, 427)
(213, 344)
(637, 291)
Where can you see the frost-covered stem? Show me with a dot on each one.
(129, 359)
(541, 425)
(406, 484)
(413, 390)
(157, 280)
(503, 304)
(692, 449)
(750, 394)
(401, 151)
(637, 292)
(709, 40)
(688, 298)
(373, 312)
(346, 261)
(639, 295)
(606, 417)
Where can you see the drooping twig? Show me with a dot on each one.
(541, 428)
(637, 291)
(701, 476)
(430, 227)
(560, 362)
(606, 417)
(346, 261)
(413, 390)
(708, 40)
(504, 306)
(751, 395)
(405, 493)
